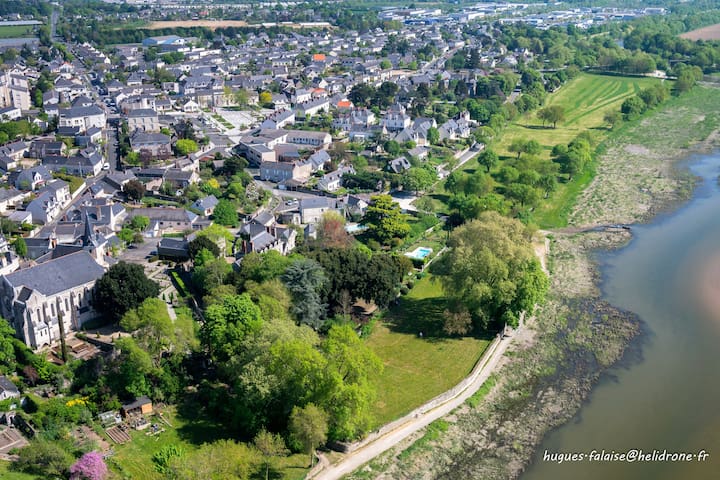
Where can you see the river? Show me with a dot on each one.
(665, 393)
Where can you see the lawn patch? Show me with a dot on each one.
(418, 369)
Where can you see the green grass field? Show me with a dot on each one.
(417, 369)
(13, 31)
(7, 474)
(585, 99)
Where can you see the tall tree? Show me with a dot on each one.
(308, 428)
(488, 158)
(491, 270)
(123, 287)
(304, 278)
(384, 219)
(331, 231)
(270, 445)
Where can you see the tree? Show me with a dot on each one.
(265, 98)
(139, 223)
(202, 242)
(224, 459)
(433, 136)
(185, 147)
(270, 445)
(90, 466)
(488, 158)
(331, 231)
(44, 458)
(612, 118)
(517, 146)
(417, 179)
(225, 213)
(552, 114)
(633, 107)
(303, 279)
(134, 189)
(308, 428)
(384, 219)
(21, 247)
(228, 323)
(457, 322)
(392, 147)
(154, 330)
(123, 287)
(490, 269)
(7, 348)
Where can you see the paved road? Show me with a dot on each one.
(358, 458)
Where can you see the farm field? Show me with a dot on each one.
(585, 100)
(14, 31)
(711, 32)
(417, 369)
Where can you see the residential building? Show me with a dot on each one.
(7, 389)
(206, 205)
(312, 209)
(281, 171)
(49, 202)
(151, 145)
(14, 91)
(332, 181)
(82, 117)
(144, 119)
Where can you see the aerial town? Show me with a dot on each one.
(298, 240)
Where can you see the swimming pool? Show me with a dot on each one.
(354, 228)
(419, 253)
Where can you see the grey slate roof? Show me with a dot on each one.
(55, 276)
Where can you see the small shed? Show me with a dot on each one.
(141, 406)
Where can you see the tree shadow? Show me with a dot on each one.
(413, 316)
(538, 127)
(200, 425)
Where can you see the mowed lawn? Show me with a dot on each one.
(585, 99)
(417, 369)
(7, 474)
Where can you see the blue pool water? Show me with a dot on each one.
(419, 253)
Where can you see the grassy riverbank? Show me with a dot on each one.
(576, 335)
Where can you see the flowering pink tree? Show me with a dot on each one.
(90, 466)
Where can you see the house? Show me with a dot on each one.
(262, 234)
(312, 107)
(419, 153)
(11, 198)
(35, 300)
(7, 389)
(145, 119)
(14, 150)
(319, 159)
(278, 119)
(30, 179)
(206, 205)
(140, 406)
(333, 181)
(9, 262)
(396, 119)
(354, 119)
(312, 209)
(180, 178)
(88, 162)
(49, 202)
(355, 206)
(306, 137)
(399, 165)
(82, 117)
(281, 171)
(41, 148)
(151, 145)
(168, 219)
(10, 113)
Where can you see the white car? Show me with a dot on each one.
(106, 166)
